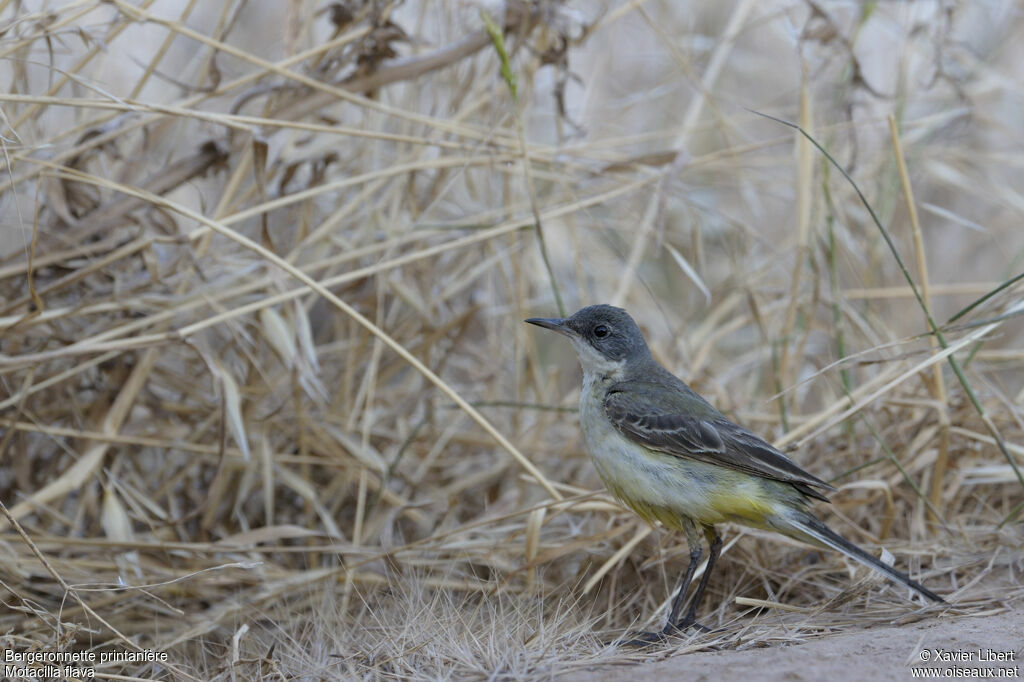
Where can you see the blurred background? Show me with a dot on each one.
(267, 403)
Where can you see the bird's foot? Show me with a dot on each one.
(641, 640)
(686, 623)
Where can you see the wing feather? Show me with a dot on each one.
(687, 426)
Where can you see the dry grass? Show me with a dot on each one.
(266, 401)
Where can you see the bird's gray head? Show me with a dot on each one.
(605, 337)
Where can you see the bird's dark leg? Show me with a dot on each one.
(642, 639)
(715, 548)
(693, 540)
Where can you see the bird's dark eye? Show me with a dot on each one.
(600, 331)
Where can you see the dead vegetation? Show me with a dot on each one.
(266, 401)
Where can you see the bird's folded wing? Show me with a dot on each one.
(694, 430)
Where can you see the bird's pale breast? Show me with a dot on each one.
(663, 487)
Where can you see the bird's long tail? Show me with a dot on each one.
(814, 530)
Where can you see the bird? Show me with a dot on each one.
(670, 456)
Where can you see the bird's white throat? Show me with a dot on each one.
(595, 365)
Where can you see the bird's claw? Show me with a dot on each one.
(641, 640)
(686, 623)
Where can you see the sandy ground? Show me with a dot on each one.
(878, 653)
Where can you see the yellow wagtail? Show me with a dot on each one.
(670, 456)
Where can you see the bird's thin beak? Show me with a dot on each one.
(556, 324)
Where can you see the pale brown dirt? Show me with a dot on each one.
(877, 653)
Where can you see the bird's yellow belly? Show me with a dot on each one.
(666, 488)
